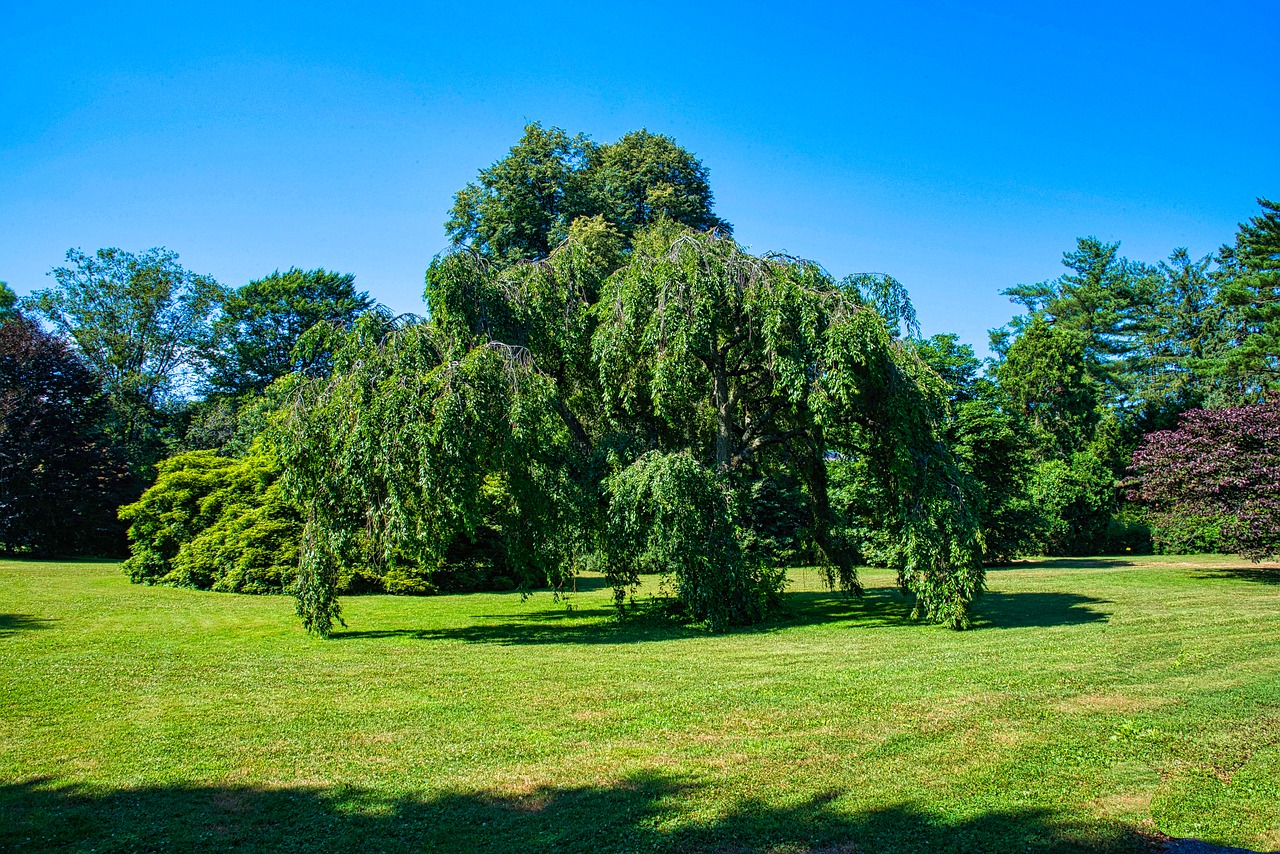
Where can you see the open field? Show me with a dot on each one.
(1098, 704)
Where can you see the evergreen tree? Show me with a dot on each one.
(1245, 358)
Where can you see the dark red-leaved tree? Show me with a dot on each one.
(59, 481)
(1221, 467)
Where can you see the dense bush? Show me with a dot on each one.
(1075, 498)
(214, 523)
(1215, 480)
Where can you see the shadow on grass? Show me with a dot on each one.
(1066, 563)
(996, 610)
(885, 608)
(1257, 574)
(543, 629)
(11, 623)
(585, 583)
(877, 608)
(644, 813)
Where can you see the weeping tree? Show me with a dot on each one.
(620, 400)
(743, 361)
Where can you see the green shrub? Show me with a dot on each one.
(214, 523)
(1075, 499)
(1188, 533)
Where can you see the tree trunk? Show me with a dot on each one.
(724, 414)
(813, 468)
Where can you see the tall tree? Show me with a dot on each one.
(1101, 299)
(1173, 335)
(59, 480)
(645, 177)
(140, 322)
(1045, 377)
(522, 206)
(259, 336)
(709, 363)
(1246, 357)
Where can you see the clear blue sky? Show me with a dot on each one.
(961, 147)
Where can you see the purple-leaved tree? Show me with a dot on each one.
(1219, 469)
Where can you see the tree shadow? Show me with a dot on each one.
(650, 812)
(1268, 574)
(887, 608)
(877, 608)
(585, 584)
(12, 623)
(997, 610)
(581, 626)
(1065, 563)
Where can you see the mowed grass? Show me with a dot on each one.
(1098, 704)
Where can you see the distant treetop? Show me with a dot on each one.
(521, 207)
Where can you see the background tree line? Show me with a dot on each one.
(605, 379)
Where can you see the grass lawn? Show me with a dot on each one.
(1098, 704)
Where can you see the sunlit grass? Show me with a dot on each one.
(1097, 703)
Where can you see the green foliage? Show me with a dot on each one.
(1115, 349)
(645, 177)
(394, 460)
(1100, 302)
(1075, 498)
(1176, 333)
(953, 362)
(1189, 534)
(1246, 355)
(1045, 378)
(993, 450)
(772, 512)
(524, 206)
(513, 415)
(741, 360)
(268, 328)
(889, 298)
(140, 322)
(214, 523)
(670, 514)
(8, 302)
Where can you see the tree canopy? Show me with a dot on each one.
(522, 207)
(8, 301)
(1248, 357)
(140, 322)
(566, 383)
(261, 333)
(1219, 471)
(59, 479)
